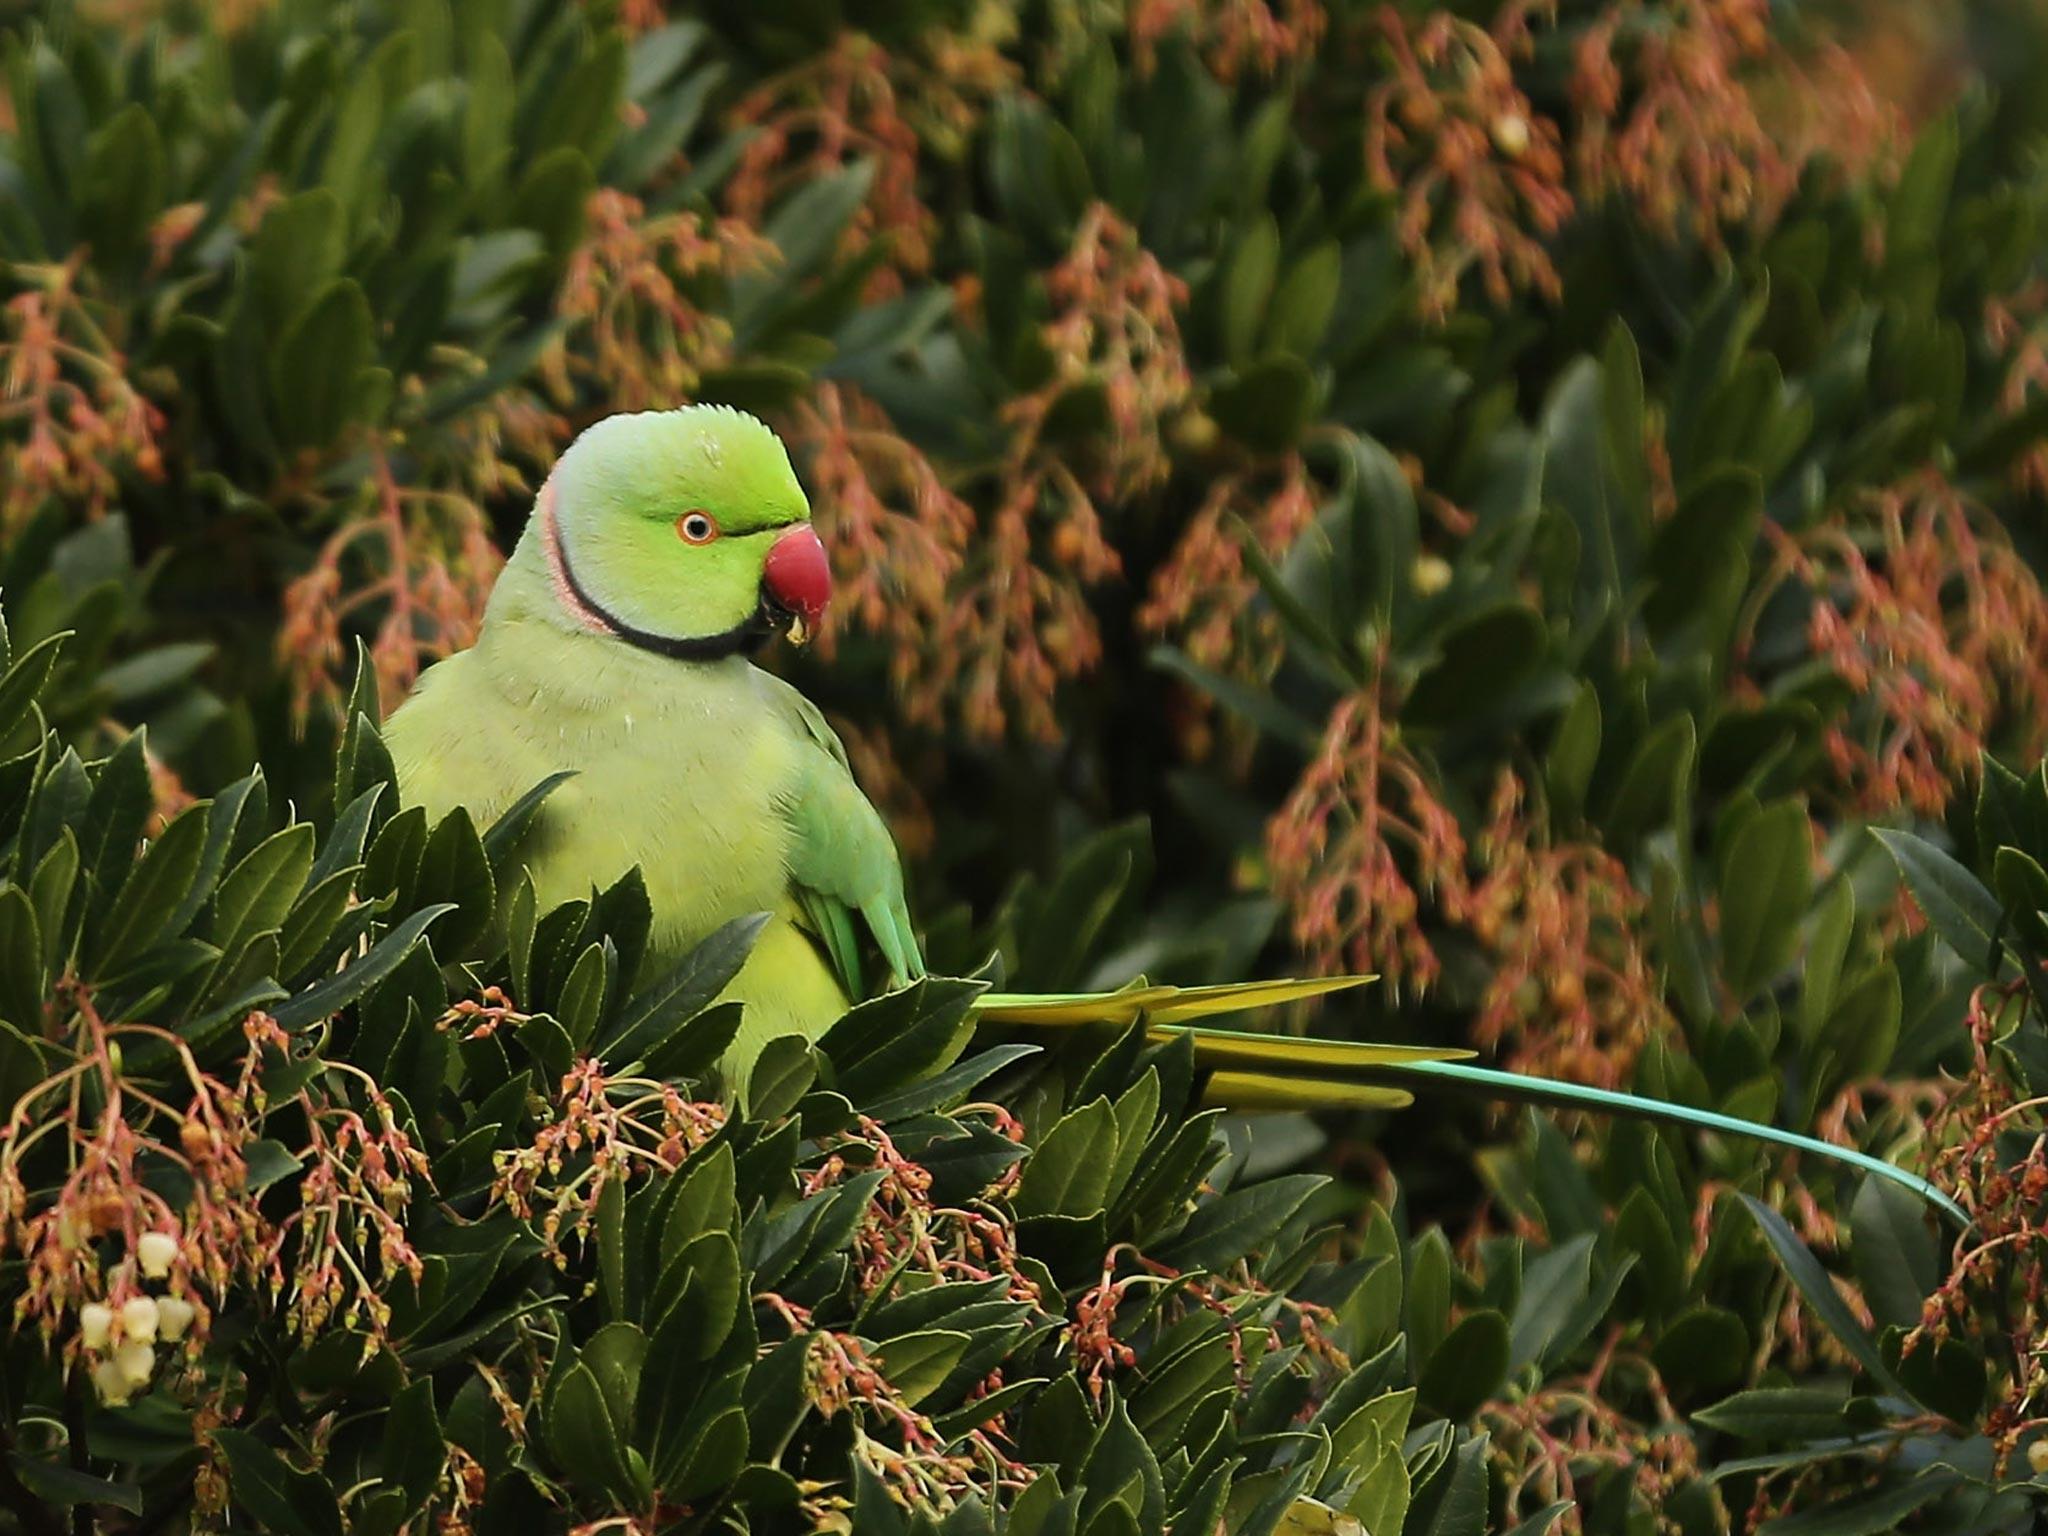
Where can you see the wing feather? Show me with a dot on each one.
(842, 861)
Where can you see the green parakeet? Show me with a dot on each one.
(664, 550)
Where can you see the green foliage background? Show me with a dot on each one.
(1312, 486)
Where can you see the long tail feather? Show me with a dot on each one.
(1544, 1090)
(1252, 1072)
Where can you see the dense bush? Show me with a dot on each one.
(1538, 501)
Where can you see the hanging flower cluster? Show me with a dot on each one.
(1358, 844)
(126, 1278)
(72, 418)
(1479, 171)
(1574, 994)
(1234, 37)
(1931, 618)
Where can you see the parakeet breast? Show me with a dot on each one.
(678, 770)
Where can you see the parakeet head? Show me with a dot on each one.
(682, 532)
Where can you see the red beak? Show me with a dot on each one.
(798, 576)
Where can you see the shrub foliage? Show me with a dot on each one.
(1536, 500)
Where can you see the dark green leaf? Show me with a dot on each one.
(141, 913)
(650, 1018)
(414, 1454)
(917, 1364)
(1893, 1250)
(1068, 1174)
(501, 842)
(24, 680)
(453, 868)
(1459, 1505)
(279, 1496)
(328, 997)
(782, 1075)
(948, 1088)
(1820, 1293)
(1954, 901)
(589, 1446)
(1787, 1413)
(880, 1045)
(1766, 882)
(1704, 1350)
(1554, 1286)
(65, 1486)
(1868, 1514)
(21, 962)
(314, 372)
(1468, 1367)
(1234, 1226)
(259, 892)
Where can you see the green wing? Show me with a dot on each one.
(842, 862)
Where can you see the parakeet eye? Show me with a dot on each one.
(696, 528)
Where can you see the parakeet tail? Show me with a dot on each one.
(1253, 1072)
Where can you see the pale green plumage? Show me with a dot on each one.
(732, 795)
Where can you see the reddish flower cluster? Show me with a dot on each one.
(1357, 842)
(1479, 172)
(636, 329)
(599, 1128)
(503, 448)
(1248, 1307)
(1574, 994)
(1020, 627)
(830, 112)
(1996, 1290)
(902, 1229)
(1115, 328)
(1203, 589)
(1550, 1442)
(66, 388)
(1020, 623)
(897, 533)
(227, 17)
(115, 1269)
(357, 1186)
(167, 792)
(924, 1472)
(422, 558)
(1666, 116)
(902, 1224)
(1940, 625)
(1694, 111)
(1098, 1352)
(1232, 35)
(2014, 329)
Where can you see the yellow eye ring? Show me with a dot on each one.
(696, 527)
